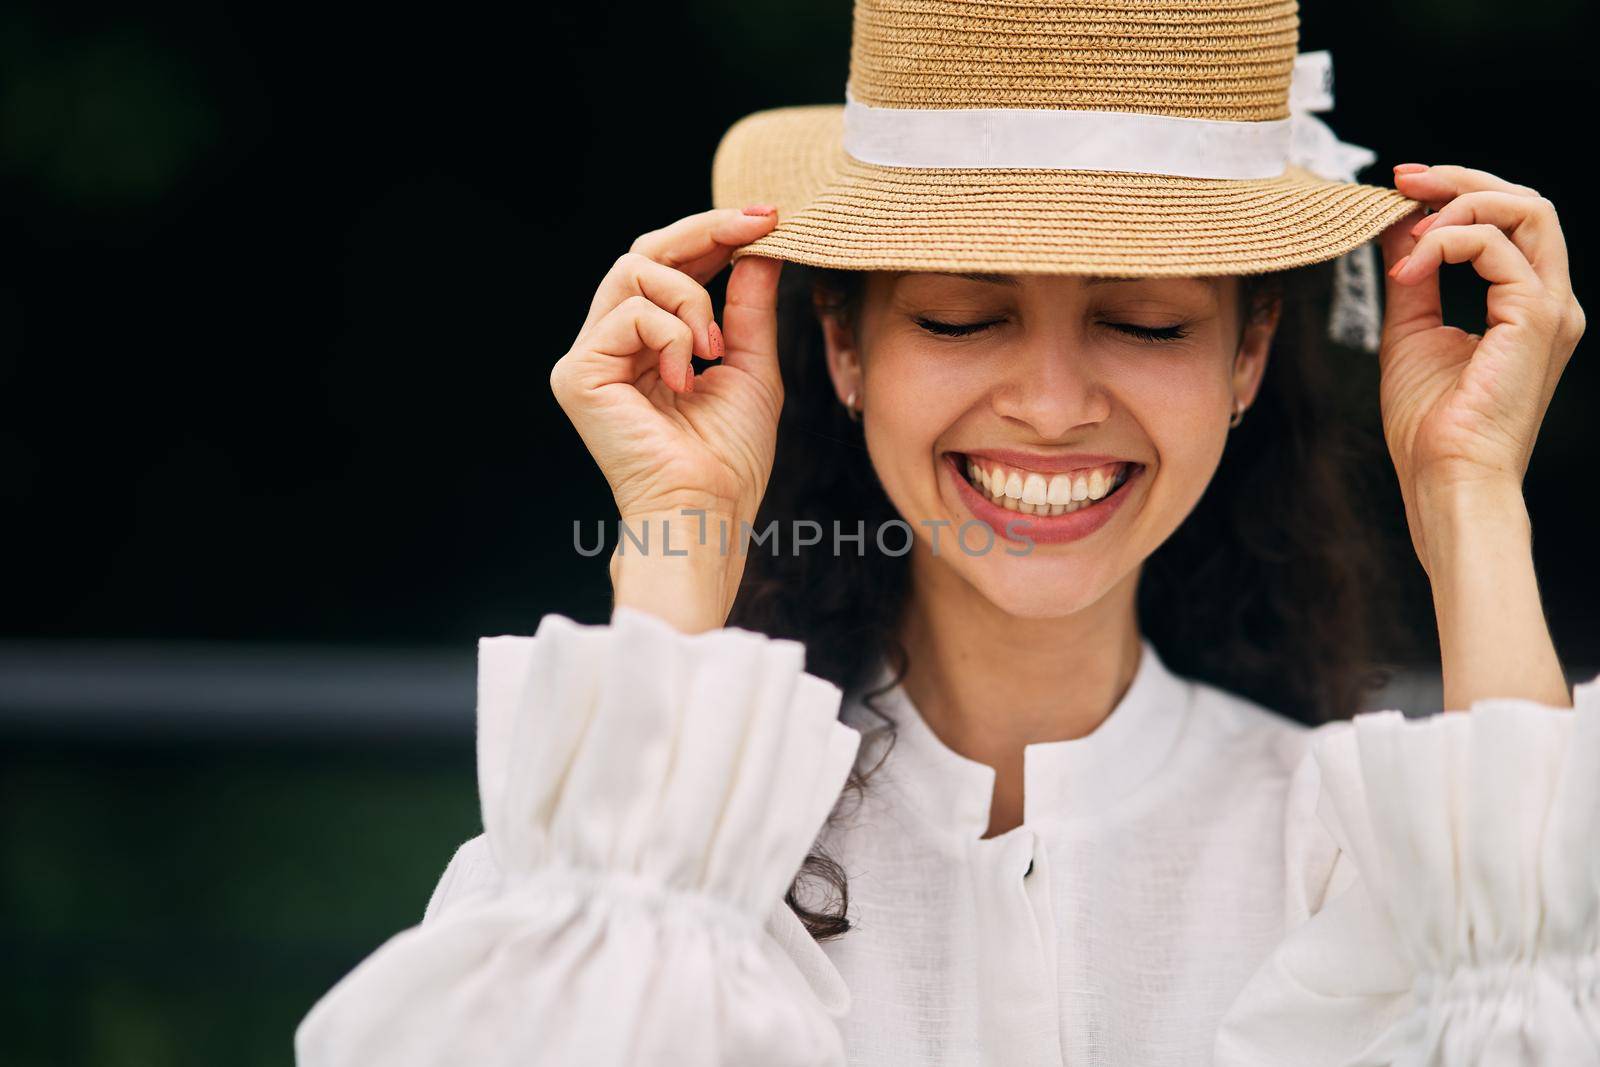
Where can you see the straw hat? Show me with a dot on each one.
(1109, 137)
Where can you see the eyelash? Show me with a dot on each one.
(1152, 334)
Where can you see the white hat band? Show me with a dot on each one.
(1139, 143)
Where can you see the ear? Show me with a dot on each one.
(1250, 363)
(844, 358)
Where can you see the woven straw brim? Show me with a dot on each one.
(834, 211)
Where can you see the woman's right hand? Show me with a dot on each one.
(667, 441)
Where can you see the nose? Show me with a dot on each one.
(1051, 385)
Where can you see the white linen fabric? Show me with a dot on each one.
(646, 796)
(1197, 881)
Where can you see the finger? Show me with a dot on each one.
(1437, 184)
(632, 337)
(1410, 308)
(667, 288)
(701, 245)
(750, 318)
(1530, 222)
(1487, 248)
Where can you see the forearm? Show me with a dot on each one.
(1493, 637)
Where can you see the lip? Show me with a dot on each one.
(1047, 529)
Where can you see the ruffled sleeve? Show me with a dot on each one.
(647, 797)
(1461, 922)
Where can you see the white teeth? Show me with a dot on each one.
(1032, 493)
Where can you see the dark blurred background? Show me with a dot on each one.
(279, 298)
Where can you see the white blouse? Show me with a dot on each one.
(1197, 881)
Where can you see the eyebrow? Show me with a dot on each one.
(1207, 280)
(987, 279)
(1092, 279)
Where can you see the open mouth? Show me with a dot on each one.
(1038, 493)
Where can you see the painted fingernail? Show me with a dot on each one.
(1394, 271)
(761, 209)
(714, 334)
(1422, 227)
(1410, 168)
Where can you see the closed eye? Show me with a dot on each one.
(1154, 334)
(955, 329)
(1150, 333)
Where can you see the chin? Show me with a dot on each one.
(1037, 586)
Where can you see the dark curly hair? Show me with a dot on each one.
(1266, 590)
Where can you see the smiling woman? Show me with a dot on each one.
(1040, 789)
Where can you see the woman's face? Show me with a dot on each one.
(1084, 415)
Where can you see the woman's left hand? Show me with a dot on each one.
(1461, 412)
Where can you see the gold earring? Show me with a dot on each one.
(850, 407)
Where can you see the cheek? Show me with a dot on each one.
(1183, 410)
(913, 399)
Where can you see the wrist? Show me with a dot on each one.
(1493, 638)
(677, 565)
(1460, 521)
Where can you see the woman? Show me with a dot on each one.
(1058, 254)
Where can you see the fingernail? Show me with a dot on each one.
(714, 335)
(1410, 168)
(688, 378)
(761, 209)
(1394, 271)
(1422, 227)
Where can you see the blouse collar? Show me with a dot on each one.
(1061, 779)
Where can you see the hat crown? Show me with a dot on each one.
(1209, 59)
